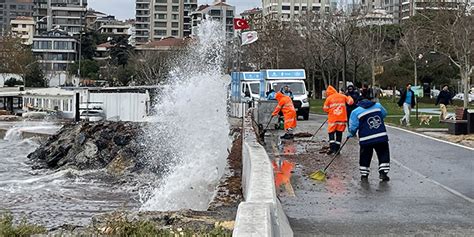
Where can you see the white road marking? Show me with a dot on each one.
(434, 182)
(453, 191)
(432, 138)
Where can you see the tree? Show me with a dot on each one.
(11, 82)
(15, 57)
(455, 39)
(151, 67)
(414, 36)
(340, 29)
(121, 51)
(89, 69)
(34, 76)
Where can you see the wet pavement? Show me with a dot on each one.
(431, 191)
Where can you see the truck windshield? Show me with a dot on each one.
(255, 88)
(297, 88)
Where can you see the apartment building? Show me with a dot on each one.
(189, 7)
(254, 17)
(11, 9)
(289, 10)
(157, 19)
(56, 50)
(23, 27)
(68, 15)
(218, 11)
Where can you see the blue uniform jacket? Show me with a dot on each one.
(368, 119)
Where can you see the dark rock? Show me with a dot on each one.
(86, 146)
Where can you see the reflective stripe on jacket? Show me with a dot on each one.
(335, 106)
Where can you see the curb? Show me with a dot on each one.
(261, 214)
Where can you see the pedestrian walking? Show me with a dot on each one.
(444, 99)
(335, 107)
(407, 101)
(354, 94)
(368, 120)
(285, 105)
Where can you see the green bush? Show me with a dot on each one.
(7, 227)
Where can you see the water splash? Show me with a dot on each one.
(188, 136)
(13, 134)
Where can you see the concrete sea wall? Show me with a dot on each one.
(261, 214)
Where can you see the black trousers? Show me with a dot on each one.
(383, 154)
(335, 139)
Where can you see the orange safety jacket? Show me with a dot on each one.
(285, 104)
(335, 106)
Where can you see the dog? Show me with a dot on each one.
(426, 119)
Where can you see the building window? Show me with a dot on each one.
(161, 16)
(175, 8)
(161, 8)
(160, 24)
(215, 12)
(230, 13)
(174, 24)
(285, 8)
(297, 8)
(174, 33)
(160, 32)
(42, 45)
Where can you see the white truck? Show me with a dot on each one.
(276, 80)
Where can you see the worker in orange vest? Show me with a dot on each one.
(285, 104)
(335, 107)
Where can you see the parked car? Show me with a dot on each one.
(460, 96)
(92, 112)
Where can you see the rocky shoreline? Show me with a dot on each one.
(87, 146)
(114, 146)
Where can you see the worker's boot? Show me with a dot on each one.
(384, 177)
(287, 136)
(364, 178)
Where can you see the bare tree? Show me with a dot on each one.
(151, 67)
(455, 39)
(414, 39)
(340, 29)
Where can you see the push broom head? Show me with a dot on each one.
(319, 175)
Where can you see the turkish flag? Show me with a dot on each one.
(240, 24)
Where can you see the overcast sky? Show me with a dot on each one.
(125, 9)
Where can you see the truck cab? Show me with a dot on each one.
(295, 80)
(300, 95)
(250, 89)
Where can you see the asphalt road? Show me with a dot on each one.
(431, 191)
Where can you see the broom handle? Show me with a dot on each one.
(337, 153)
(319, 129)
(268, 124)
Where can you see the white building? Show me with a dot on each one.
(23, 27)
(289, 10)
(219, 11)
(50, 99)
(411, 7)
(117, 104)
(376, 17)
(56, 50)
(68, 15)
(157, 19)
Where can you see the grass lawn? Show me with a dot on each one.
(395, 120)
(395, 113)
